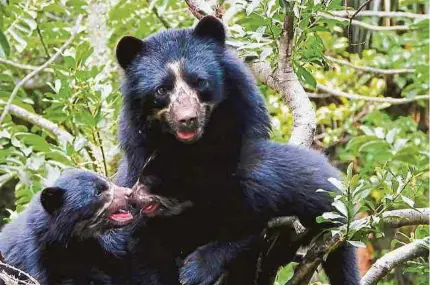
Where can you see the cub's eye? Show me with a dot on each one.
(100, 189)
(161, 91)
(202, 83)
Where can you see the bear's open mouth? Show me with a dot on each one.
(188, 135)
(121, 216)
(150, 208)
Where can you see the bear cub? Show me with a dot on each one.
(77, 232)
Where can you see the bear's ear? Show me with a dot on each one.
(127, 49)
(52, 199)
(211, 27)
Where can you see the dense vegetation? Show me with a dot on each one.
(66, 114)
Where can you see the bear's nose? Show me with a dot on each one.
(188, 122)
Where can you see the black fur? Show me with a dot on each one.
(276, 180)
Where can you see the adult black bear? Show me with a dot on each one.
(190, 107)
(70, 234)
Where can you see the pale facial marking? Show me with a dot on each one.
(181, 87)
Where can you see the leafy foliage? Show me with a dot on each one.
(388, 145)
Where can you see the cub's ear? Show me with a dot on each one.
(52, 199)
(127, 49)
(211, 27)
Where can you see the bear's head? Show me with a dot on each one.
(86, 203)
(175, 78)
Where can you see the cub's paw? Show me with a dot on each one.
(200, 267)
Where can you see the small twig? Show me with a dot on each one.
(351, 18)
(61, 134)
(41, 122)
(23, 66)
(42, 40)
(313, 258)
(392, 259)
(75, 30)
(195, 10)
(365, 25)
(99, 141)
(17, 272)
(370, 69)
(388, 14)
(222, 279)
(292, 222)
(390, 100)
(162, 20)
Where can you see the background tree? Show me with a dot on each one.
(363, 64)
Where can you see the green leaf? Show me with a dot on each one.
(321, 220)
(331, 216)
(356, 142)
(37, 142)
(4, 46)
(408, 201)
(36, 161)
(391, 134)
(340, 207)
(339, 185)
(252, 6)
(306, 76)
(349, 171)
(374, 146)
(4, 178)
(421, 232)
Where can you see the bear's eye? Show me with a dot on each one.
(202, 83)
(100, 189)
(99, 192)
(161, 90)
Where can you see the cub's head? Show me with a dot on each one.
(174, 78)
(86, 204)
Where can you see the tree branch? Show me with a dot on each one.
(314, 256)
(195, 9)
(365, 25)
(40, 68)
(406, 217)
(390, 100)
(41, 122)
(285, 81)
(292, 222)
(392, 259)
(160, 18)
(9, 275)
(62, 135)
(23, 66)
(387, 14)
(370, 69)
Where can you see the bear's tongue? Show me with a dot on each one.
(186, 135)
(150, 208)
(121, 216)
